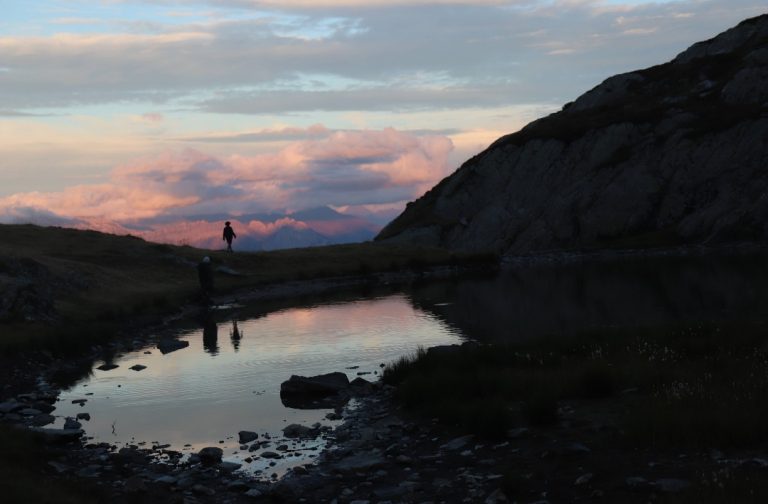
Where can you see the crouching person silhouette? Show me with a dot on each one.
(228, 235)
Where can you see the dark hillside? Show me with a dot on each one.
(673, 154)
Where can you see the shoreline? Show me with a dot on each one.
(35, 379)
(381, 453)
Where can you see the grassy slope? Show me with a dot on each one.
(102, 281)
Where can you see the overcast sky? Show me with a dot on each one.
(123, 109)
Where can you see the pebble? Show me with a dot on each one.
(672, 485)
(203, 490)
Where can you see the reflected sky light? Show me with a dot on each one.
(190, 396)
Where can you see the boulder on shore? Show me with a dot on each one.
(210, 455)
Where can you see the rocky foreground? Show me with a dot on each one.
(381, 454)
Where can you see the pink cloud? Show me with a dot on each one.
(153, 117)
(343, 168)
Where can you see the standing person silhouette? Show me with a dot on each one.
(229, 233)
(205, 274)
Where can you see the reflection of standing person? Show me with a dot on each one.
(205, 275)
(235, 335)
(229, 233)
(210, 335)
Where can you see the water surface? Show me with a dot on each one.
(228, 378)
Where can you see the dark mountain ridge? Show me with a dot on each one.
(672, 154)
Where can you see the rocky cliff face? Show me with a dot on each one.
(673, 154)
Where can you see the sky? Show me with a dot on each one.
(117, 112)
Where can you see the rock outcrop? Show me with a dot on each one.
(673, 154)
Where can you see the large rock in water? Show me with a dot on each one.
(315, 386)
(673, 154)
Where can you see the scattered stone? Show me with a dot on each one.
(41, 420)
(270, 455)
(361, 386)
(497, 497)
(168, 346)
(59, 467)
(210, 455)
(635, 482)
(58, 435)
(300, 431)
(583, 479)
(131, 456)
(137, 367)
(107, 367)
(10, 407)
(81, 402)
(71, 423)
(237, 486)
(134, 484)
(672, 485)
(166, 479)
(245, 436)
(229, 467)
(185, 482)
(360, 462)
(517, 433)
(576, 449)
(203, 490)
(84, 416)
(457, 443)
(757, 461)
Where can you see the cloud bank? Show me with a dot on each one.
(159, 197)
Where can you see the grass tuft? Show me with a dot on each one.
(696, 387)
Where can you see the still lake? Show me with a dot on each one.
(228, 378)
